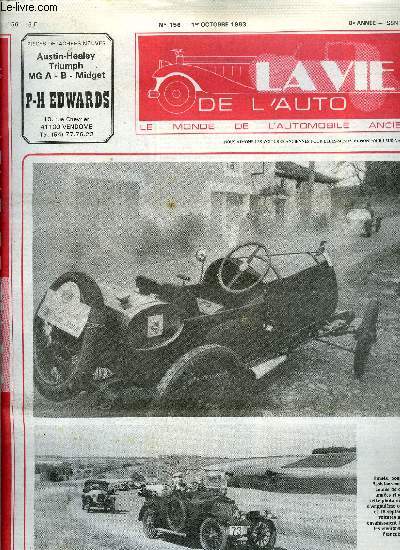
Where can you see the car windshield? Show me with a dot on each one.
(285, 262)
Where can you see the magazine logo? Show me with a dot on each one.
(285, 76)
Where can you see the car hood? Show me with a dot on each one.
(127, 301)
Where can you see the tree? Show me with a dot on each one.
(374, 176)
(382, 177)
(355, 169)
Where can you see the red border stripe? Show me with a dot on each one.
(6, 426)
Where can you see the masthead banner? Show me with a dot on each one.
(278, 82)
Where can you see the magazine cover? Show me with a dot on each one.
(200, 274)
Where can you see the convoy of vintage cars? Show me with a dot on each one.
(202, 513)
(199, 513)
(191, 348)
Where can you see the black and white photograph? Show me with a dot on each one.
(173, 484)
(200, 274)
(216, 288)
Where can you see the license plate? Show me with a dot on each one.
(237, 530)
(155, 325)
(69, 316)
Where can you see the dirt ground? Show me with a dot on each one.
(317, 380)
(304, 522)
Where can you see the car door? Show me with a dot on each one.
(241, 328)
(300, 301)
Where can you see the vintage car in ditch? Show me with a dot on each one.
(98, 494)
(193, 347)
(205, 514)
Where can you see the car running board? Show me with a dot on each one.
(264, 368)
(170, 532)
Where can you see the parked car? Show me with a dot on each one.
(208, 516)
(192, 347)
(98, 495)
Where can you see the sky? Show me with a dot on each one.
(224, 437)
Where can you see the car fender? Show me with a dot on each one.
(202, 79)
(164, 73)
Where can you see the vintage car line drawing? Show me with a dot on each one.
(98, 494)
(192, 347)
(205, 514)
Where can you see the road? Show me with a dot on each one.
(305, 522)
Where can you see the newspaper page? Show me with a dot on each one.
(200, 274)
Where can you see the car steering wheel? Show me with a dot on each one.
(260, 252)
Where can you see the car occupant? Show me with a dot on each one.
(178, 482)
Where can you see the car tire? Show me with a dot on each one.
(83, 362)
(176, 514)
(209, 380)
(265, 537)
(365, 337)
(177, 95)
(149, 523)
(213, 535)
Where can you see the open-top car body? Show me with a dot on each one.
(207, 515)
(191, 346)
